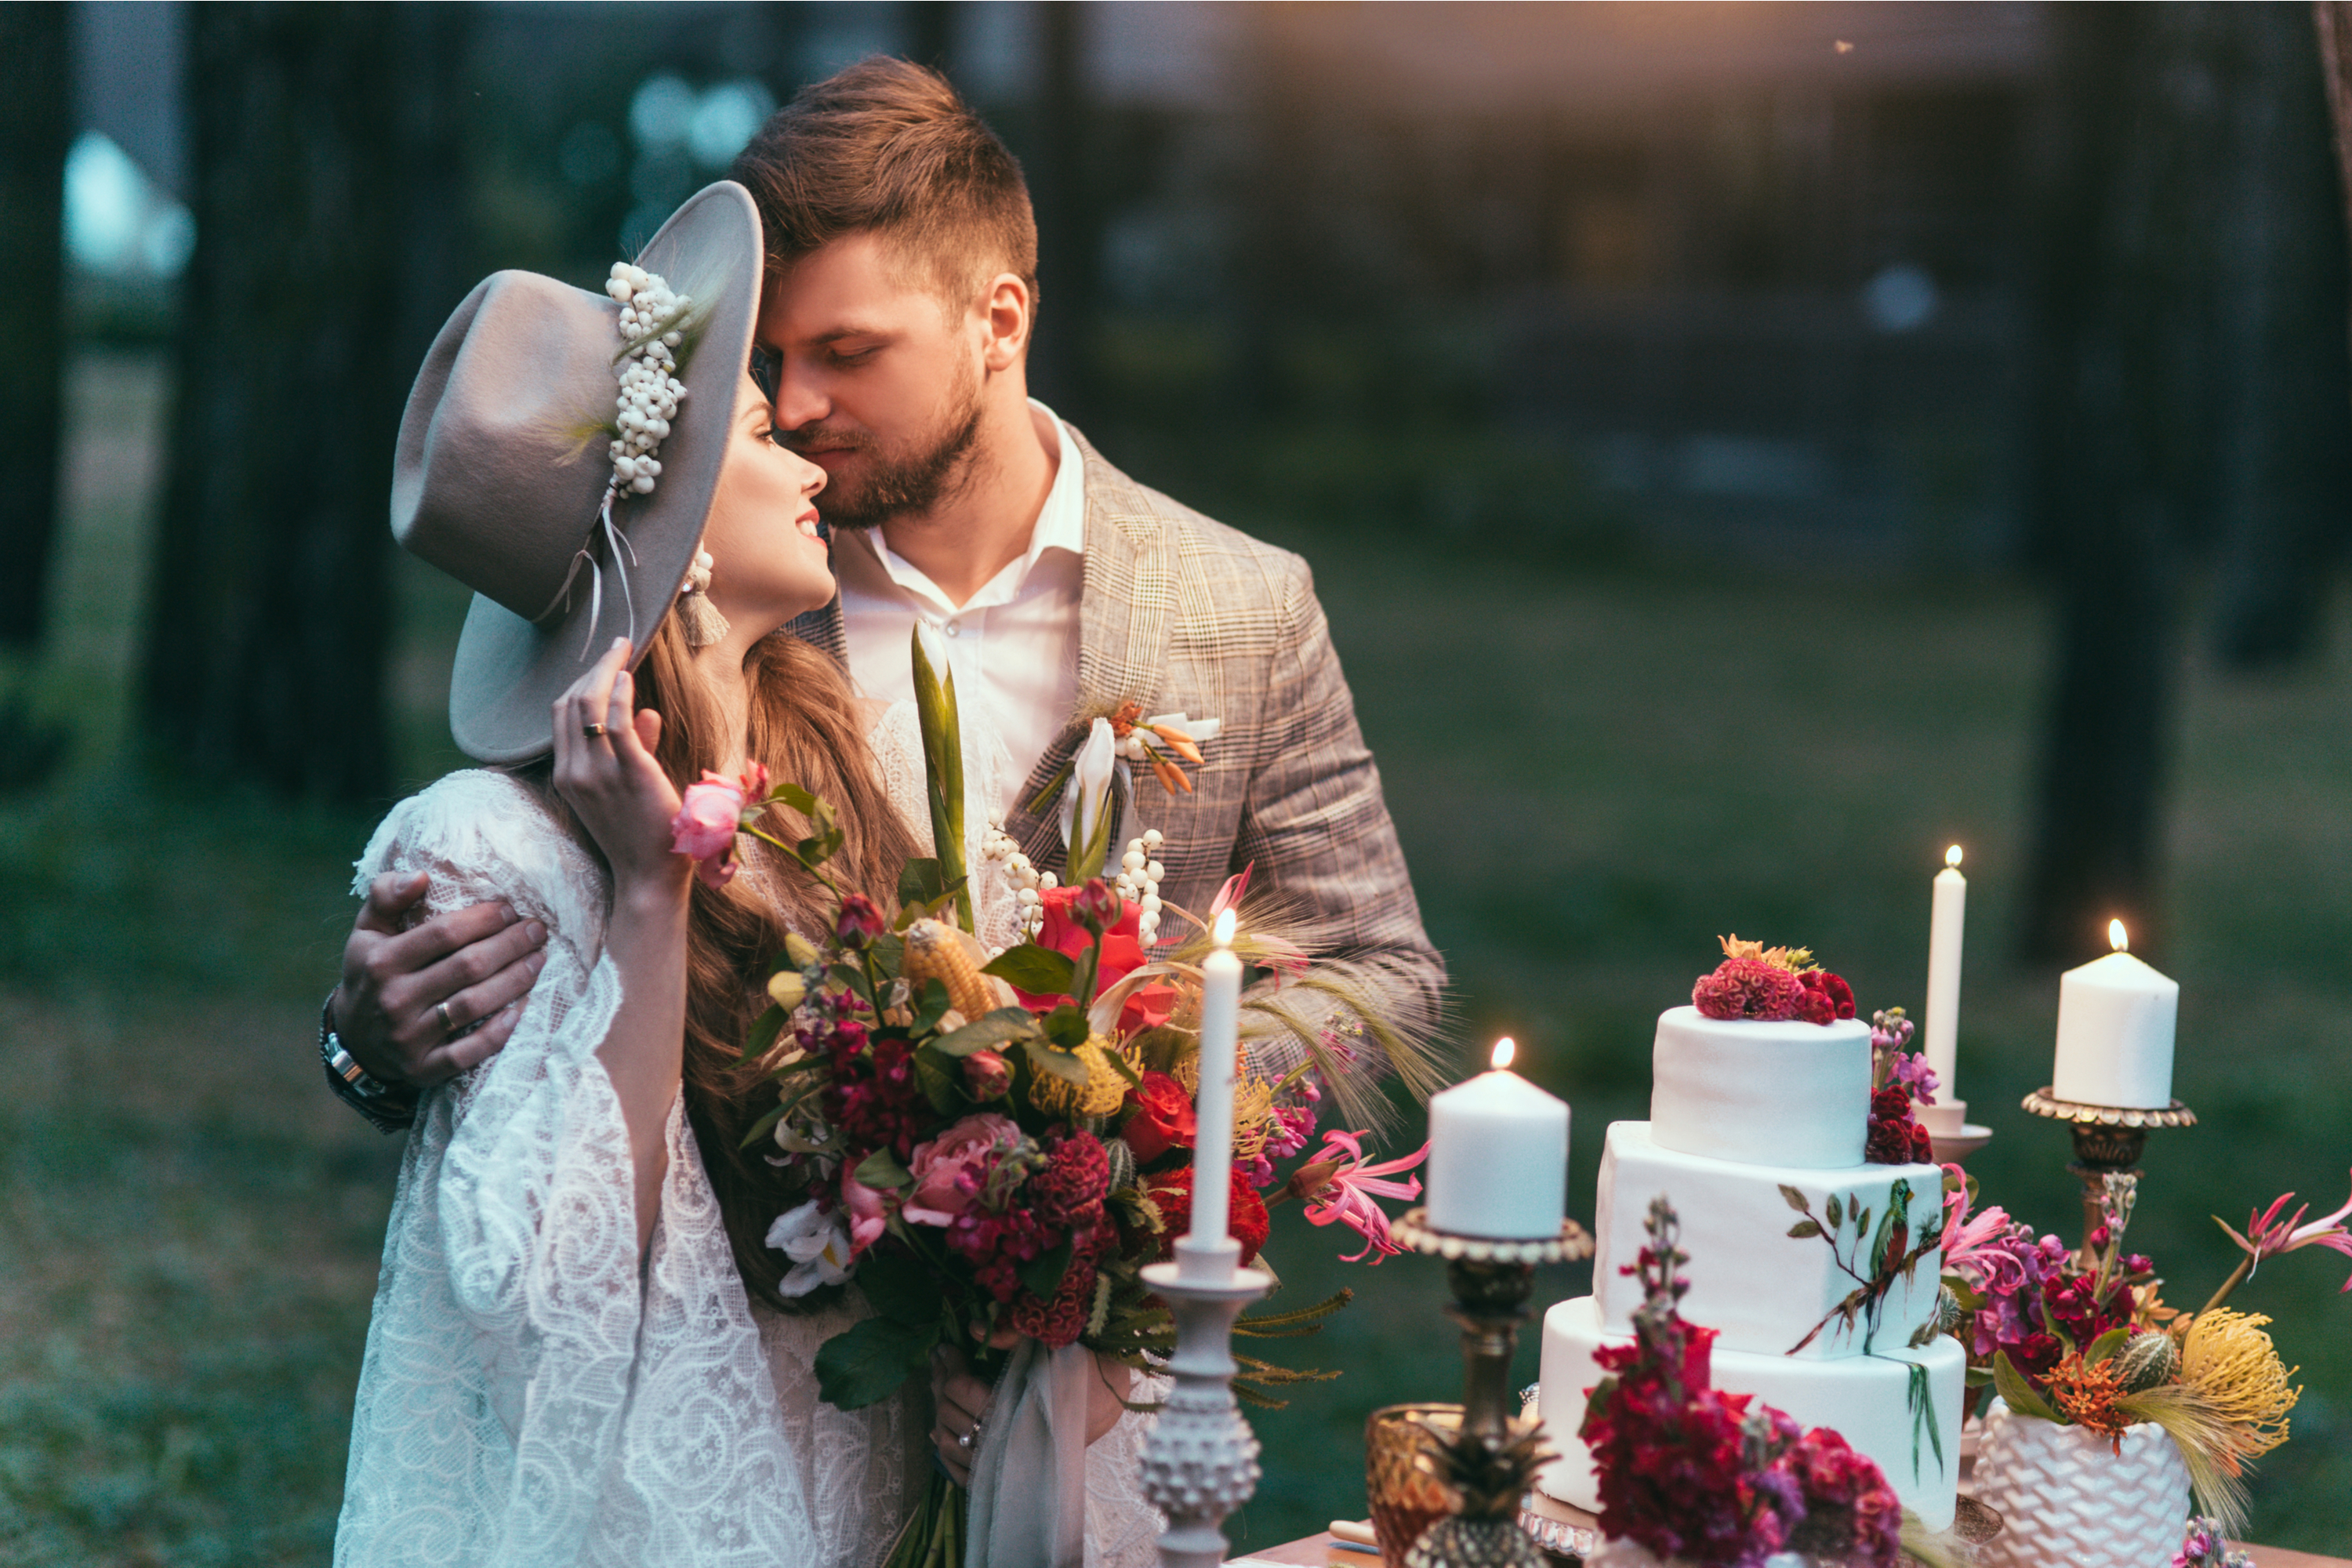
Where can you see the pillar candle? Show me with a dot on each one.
(1940, 1037)
(1212, 1150)
(1497, 1156)
(2115, 1018)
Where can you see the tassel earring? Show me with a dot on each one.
(700, 618)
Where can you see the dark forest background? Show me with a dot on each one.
(1742, 448)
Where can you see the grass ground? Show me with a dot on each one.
(1593, 774)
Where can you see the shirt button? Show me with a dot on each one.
(954, 630)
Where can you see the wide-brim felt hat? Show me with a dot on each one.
(504, 464)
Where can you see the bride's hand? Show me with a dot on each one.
(606, 770)
(960, 1403)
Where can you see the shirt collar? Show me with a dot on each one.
(1061, 525)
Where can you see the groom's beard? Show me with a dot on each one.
(893, 482)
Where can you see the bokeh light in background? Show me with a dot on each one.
(118, 221)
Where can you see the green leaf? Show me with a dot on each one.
(997, 1028)
(1836, 1213)
(1862, 1222)
(1979, 1376)
(764, 1127)
(1794, 1199)
(1066, 1027)
(1963, 1292)
(935, 1074)
(872, 1361)
(881, 1170)
(899, 1288)
(1061, 1064)
(2018, 1395)
(1805, 1229)
(1051, 787)
(1042, 1274)
(919, 881)
(1121, 1065)
(889, 956)
(930, 1001)
(851, 976)
(764, 1030)
(2107, 1344)
(1040, 971)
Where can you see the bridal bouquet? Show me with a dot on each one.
(2084, 1340)
(995, 1146)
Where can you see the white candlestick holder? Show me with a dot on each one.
(1200, 1461)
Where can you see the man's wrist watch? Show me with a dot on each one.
(390, 1109)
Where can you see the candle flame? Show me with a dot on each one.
(2117, 938)
(1504, 1049)
(1952, 857)
(1222, 935)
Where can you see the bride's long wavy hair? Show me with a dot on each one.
(805, 725)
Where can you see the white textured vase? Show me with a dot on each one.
(2067, 1499)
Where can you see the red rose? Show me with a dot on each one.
(1161, 1118)
(1122, 955)
(1247, 1221)
(860, 922)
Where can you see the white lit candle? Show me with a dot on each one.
(1206, 1254)
(1940, 1037)
(2115, 1018)
(1497, 1156)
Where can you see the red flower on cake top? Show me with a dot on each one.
(1772, 985)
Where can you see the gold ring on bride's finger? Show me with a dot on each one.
(593, 731)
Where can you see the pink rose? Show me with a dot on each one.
(951, 1170)
(869, 1212)
(709, 816)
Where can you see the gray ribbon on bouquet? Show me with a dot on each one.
(1028, 1496)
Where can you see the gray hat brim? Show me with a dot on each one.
(509, 671)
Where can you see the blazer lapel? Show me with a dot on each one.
(1125, 610)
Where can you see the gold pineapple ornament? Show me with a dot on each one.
(1490, 1473)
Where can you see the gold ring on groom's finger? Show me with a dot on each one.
(593, 731)
(448, 1025)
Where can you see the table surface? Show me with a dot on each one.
(1322, 1551)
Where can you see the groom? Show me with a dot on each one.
(901, 293)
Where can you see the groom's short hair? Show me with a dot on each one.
(889, 148)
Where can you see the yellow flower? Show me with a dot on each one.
(2228, 1360)
(1100, 1095)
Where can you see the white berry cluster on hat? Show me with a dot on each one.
(650, 390)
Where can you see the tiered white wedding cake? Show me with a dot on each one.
(1816, 1270)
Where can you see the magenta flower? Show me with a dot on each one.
(2267, 1236)
(1346, 1194)
(860, 924)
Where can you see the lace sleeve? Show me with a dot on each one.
(1123, 1530)
(532, 1393)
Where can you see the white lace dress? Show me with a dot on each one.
(533, 1393)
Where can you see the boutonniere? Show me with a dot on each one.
(1114, 742)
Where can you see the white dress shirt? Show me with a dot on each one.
(1013, 646)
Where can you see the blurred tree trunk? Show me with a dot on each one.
(2123, 423)
(2287, 284)
(323, 180)
(1069, 222)
(36, 124)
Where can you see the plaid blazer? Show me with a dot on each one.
(1183, 613)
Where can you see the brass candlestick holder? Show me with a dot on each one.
(1490, 1281)
(2109, 1141)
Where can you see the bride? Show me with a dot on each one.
(583, 1349)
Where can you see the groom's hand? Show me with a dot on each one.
(411, 998)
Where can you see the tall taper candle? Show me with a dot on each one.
(1204, 1251)
(1941, 1038)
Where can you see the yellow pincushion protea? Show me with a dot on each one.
(1100, 1095)
(2233, 1366)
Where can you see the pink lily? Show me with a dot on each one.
(1341, 1184)
(1229, 897)
(1968, 1244)
(2267, 1236)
